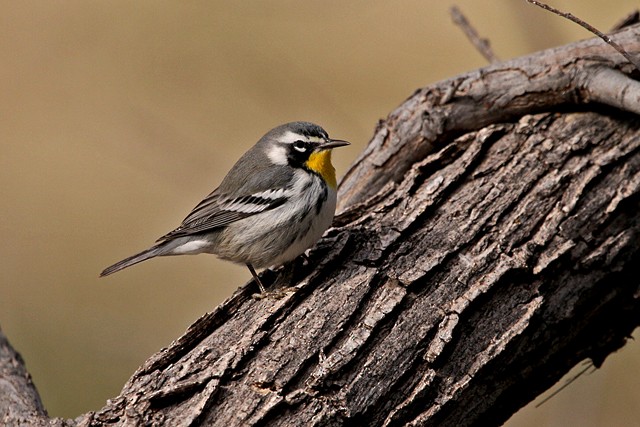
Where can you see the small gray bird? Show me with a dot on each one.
(275, 203)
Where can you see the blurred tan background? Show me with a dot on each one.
(117, 117)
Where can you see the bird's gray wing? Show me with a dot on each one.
(259, 193)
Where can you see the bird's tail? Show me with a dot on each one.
(152, 252)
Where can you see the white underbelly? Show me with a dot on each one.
(281, 234)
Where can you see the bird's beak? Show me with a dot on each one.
(333, 143)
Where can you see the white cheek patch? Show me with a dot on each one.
(277, 154)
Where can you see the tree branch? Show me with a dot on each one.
(20, 403)
(497, 93)
(613, 88)
(487, 242)
(633, 60)
(482, 45)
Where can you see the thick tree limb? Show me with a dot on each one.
(481, 252)
(498, 93)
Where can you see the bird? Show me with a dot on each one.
(275, 202)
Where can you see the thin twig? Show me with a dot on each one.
(589, 28)
(482, 45)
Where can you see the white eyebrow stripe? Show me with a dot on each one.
(315, 139)
(290, 137)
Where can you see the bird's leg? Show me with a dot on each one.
(255, 277)
(279, 292)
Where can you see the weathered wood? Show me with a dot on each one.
(571, 75)
(19, 400)
(481, 251)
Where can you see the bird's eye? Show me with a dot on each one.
(301, 146)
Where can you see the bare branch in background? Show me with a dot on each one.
(589, 28)
(482, 45)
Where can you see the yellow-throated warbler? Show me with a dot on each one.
(275, 203)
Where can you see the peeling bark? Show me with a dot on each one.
(487, 242)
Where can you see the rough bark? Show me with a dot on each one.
(19, 400)
(487, 242)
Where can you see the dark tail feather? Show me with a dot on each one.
(133, 259)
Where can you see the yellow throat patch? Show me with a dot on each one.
(320, 163)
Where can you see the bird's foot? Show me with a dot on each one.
(278, 293)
